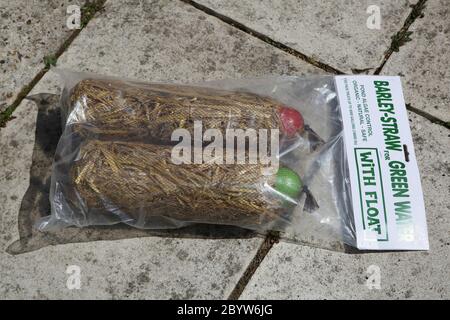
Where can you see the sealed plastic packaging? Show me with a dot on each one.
(115, 159)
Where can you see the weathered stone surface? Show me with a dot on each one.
(159, 40)
(292, 272)
(333, 33)
(424, 62)
(16, 143)
(172, 41)
(30, 30)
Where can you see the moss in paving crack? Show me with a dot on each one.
(88, 11)
(50, 61)
(5, 116)
(404, 36)
(399, 40)
(417, 10)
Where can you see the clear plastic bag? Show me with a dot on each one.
(114, 161)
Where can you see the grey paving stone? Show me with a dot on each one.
(332, 32)
(16, 143)
(425, 61)
(30, 30)
(159, 40)
(291, 272)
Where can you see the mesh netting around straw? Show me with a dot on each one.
(114, 107)
(140, 179)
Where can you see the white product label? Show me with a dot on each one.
(386, 191)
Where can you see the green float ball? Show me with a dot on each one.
(288, 183)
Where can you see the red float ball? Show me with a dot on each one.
(291, 120)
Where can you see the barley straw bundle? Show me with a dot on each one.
(140, 180)
(117, 108)
(124, 162)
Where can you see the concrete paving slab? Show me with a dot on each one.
(425, 61)
(30, 30)
(333, 33)
(158, 40)
(296, 272)
(16, 143)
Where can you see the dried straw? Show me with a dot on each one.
(118, 108)
(120, 169)
(140, 179)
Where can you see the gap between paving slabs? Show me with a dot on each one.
(91, 8)
(263, 37)
(400, 38)
(88, 11)
(403, 35)
(96, 6)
